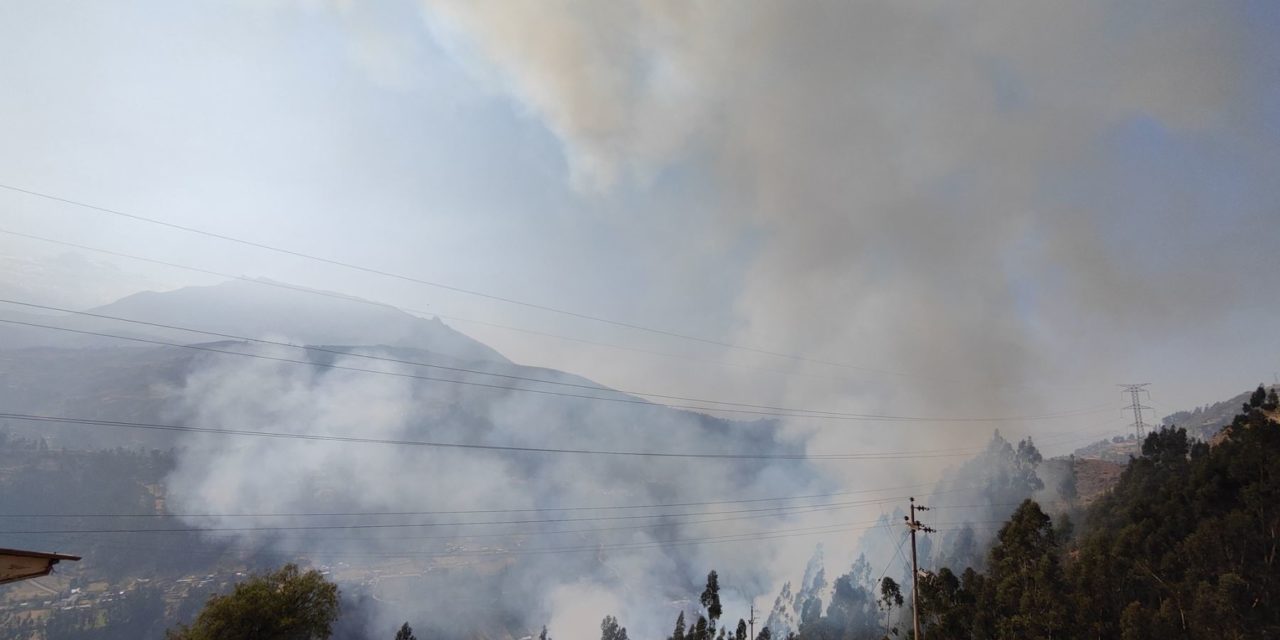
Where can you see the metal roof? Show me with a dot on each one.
(21, 564)
(37, 554)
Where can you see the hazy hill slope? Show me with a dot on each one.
(1205, 422)
(254, 310)
(130, 384)
(102, 378)
(142, 384)
(1094, 478)
(59, 373)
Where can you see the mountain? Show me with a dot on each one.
(260, 309)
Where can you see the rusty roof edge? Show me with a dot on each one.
(37, 554)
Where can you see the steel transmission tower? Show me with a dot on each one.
(1135, 404)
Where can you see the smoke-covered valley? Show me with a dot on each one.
(554, 538)
(235, 475)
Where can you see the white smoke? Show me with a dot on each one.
(217, 474)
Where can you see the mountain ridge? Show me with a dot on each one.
(259, 309)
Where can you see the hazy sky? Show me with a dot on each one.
(1017, 207)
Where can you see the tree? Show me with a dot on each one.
(1026, 459)
(851, 614)
(765, 634)
(405, 633)
(700, 630)
(810, 612)
(890, 597)
(948, 605)
(285, 605)
(1068, 488)
(711, 597)
(1259, 396)
(741, 632)
(678, 634)
(611, 630)
(1027, 576)
(543, 635)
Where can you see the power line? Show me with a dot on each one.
(679, 542)
(769, 511)
(468, 536)
(497, 553)
(454, 445)
(773, 512)
(661, 525)
(632, 527)
(221, 274)
(752, 409)
(778, 533)
(458, 511)
(899, 455)
(444, 286)
(888, 564)
(469, 383)
(360, 300)
(356, 354)
(738, 537)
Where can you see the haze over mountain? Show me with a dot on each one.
(260, 309)
(49, 371)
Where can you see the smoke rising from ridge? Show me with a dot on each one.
(928, 190)
(931, 184)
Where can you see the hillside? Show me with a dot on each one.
(1095, 477)
(1201, 423)
(1205, 422)
(1116, 450)
(48, 372)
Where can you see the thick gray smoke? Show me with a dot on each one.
(925, 190)
(927, 182)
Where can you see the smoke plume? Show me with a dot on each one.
(929, 190)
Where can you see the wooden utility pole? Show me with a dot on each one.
(751, 620)
(915, 525)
